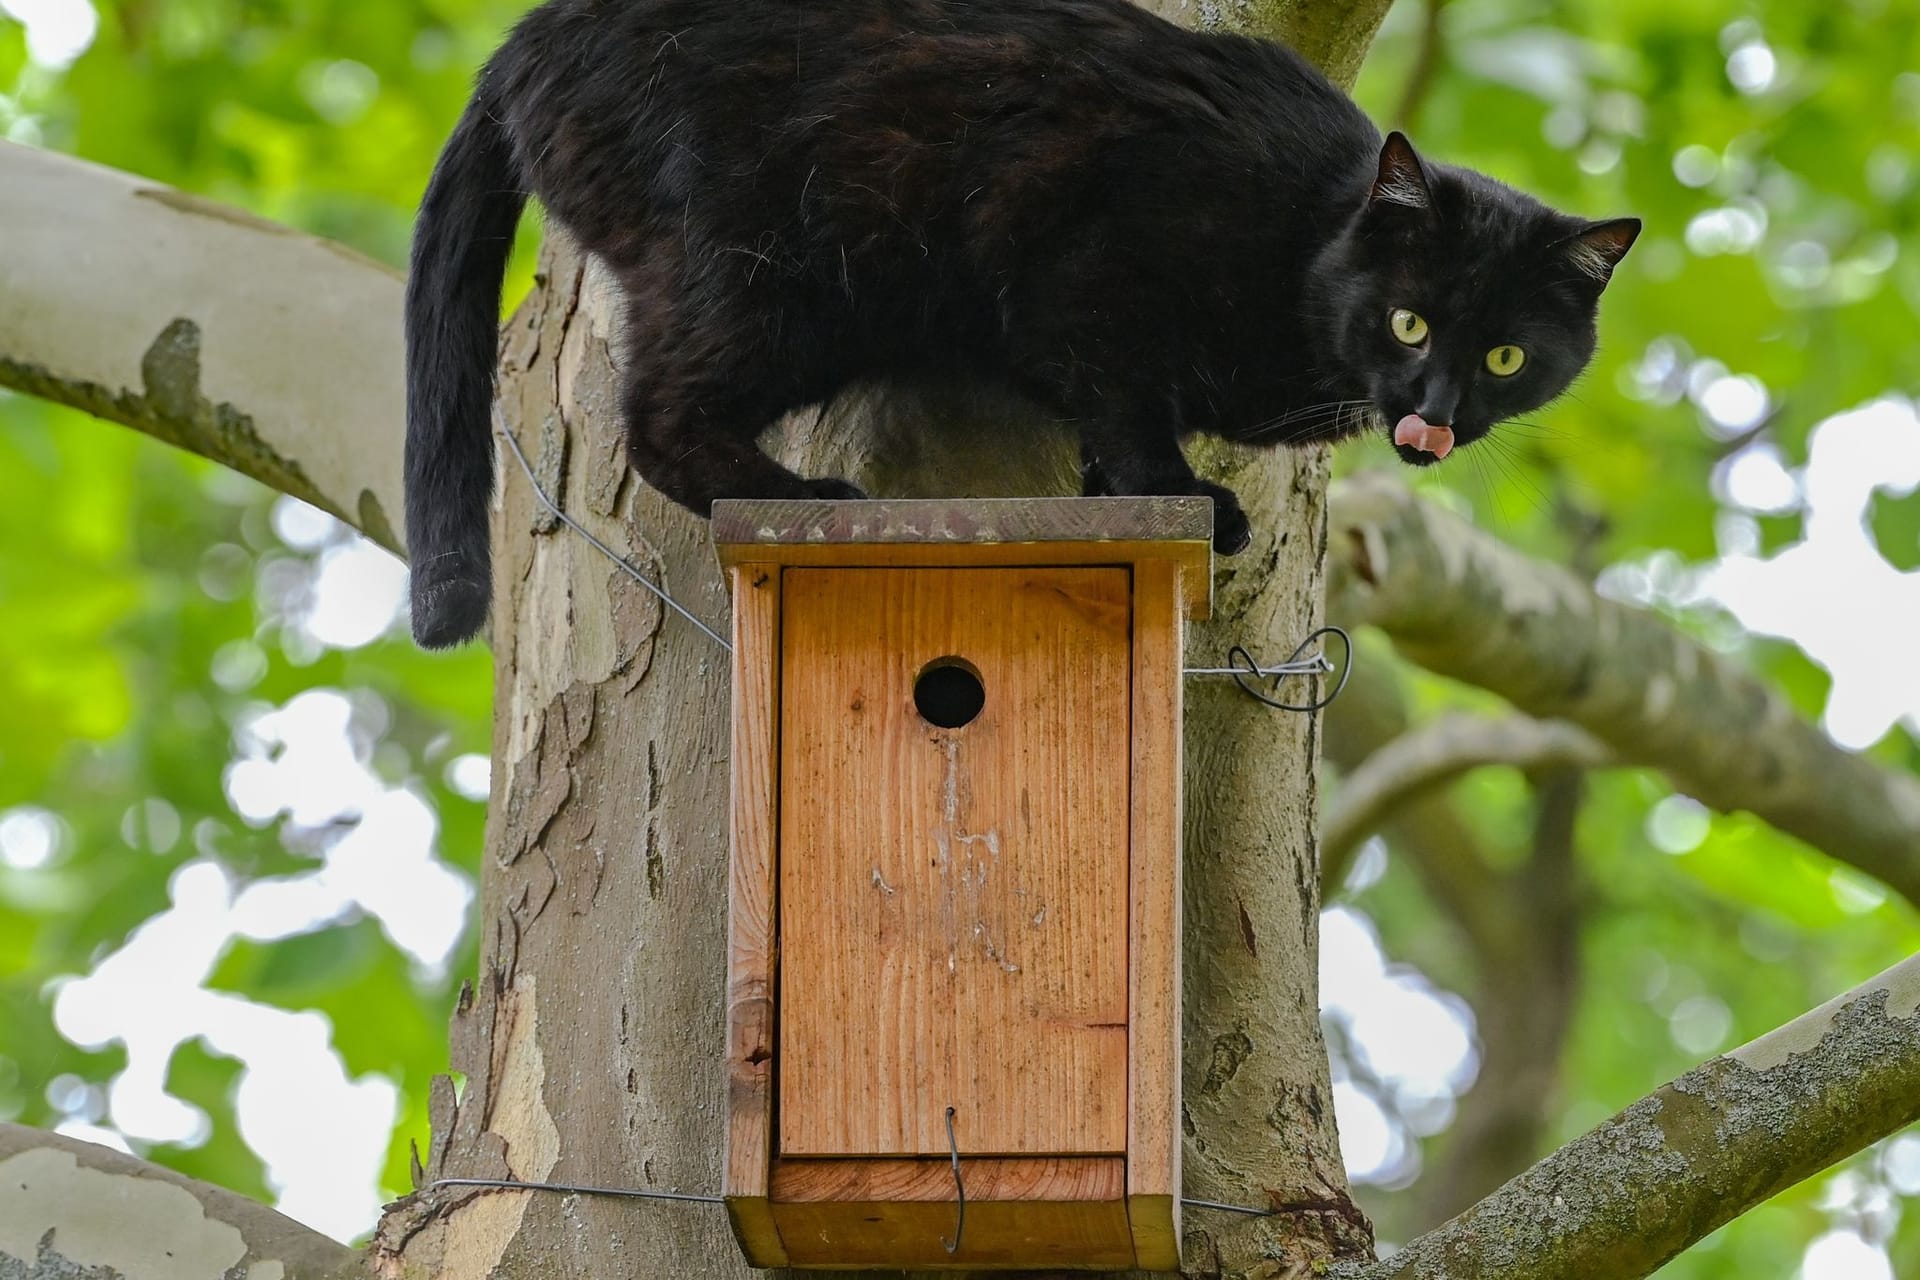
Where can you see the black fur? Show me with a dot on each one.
(1147, 231)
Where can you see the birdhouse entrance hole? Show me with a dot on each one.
(954, 912)
(949, 693)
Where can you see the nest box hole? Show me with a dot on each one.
(948, 692)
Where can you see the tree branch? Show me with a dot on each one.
(1437, 752)
(1334, 35)
(1457, 601)
(1426, 61)
(72, 1208)
(1620, 1201)
(271, 351)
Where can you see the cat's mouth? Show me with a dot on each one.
(1420, 442)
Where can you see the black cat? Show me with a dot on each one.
(1147, 231)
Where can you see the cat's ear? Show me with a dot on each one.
(1596, 249)
(1402, 179)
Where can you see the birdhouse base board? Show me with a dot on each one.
(1065, 1213)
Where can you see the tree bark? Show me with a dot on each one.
(1459, 603)
(1620, 1201)
(73, 1209)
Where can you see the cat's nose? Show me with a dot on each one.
(1436, 399)
(1437, 407)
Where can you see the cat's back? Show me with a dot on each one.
(756, 108)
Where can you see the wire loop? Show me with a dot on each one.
(959, 1189)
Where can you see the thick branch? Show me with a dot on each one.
(263, 348)
(1620, 1201)
(71, 1208)
(1426, 61)
(1334, 35)
(1438, 752)
(1458, 602)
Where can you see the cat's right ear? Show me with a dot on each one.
(1402, 180)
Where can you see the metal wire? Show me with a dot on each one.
(631, 1193)
(1246, 668)
(960, 1189)
(1243, 668)
(504, 1184)
(604, 549)
(1249, 1210)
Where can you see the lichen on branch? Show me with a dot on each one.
(1618, 1202)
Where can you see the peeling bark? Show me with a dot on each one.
(1620, 1201)
(1458, 602)
(71, 1210)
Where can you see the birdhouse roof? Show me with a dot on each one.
(974, 532)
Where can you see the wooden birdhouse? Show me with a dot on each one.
(955, 879)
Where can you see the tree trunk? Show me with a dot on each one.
(592, 1043)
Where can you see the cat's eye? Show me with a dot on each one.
(1504, 362)
(1407, 326)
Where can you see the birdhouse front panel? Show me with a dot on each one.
(954, 905)
(953, 860)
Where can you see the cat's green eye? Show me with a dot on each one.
(1504, 362)
(1407, 327)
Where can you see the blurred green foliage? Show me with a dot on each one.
(1772, 146)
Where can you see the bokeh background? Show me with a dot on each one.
(240, 814)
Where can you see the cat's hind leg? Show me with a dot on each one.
(694, 400)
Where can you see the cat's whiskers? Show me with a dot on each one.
(1350, 418)
(1317, 416)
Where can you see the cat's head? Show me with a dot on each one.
(1453, 303)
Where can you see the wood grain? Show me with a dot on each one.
(1028, 1212)
(1004, 1235)
(976, 533)
(1022, 1178)
(1153, 956)
(953, 903)
(752, 953)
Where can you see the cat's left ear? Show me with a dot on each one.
(1402, 179)
(1597, 249)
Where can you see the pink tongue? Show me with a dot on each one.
(1413, 430)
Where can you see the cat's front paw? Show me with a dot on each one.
(835, 490)
(1231, 531)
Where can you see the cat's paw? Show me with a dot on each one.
(834, 490)
(1231, 531)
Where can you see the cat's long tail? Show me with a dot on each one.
(461, 241)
